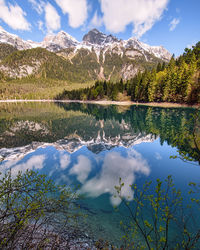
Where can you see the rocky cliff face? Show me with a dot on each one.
(96, 37)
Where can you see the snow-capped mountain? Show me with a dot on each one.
(107, 57)
(93, 38)
(6, 37)
(157, 51)
(60, 41)
(51, 42)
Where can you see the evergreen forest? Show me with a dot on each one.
(177, 82)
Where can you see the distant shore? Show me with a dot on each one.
(105, 102)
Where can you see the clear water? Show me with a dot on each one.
(92, 146)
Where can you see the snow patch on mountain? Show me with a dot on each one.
(157, 51)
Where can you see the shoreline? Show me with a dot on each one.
(104, 102)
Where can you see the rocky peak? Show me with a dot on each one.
(65, 36)
(157, 51)
(96, 37)
(134, 43)
(62, 39)
(13, 40)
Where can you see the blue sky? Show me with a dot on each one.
(175, 24)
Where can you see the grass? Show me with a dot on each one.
(37, 88)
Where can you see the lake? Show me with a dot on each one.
(91, 146)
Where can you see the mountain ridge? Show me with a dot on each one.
(94, 37)
(98, 56)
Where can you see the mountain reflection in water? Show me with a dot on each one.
(97, 127)
(91, 147)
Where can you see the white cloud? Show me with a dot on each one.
(117, 14)
(14, 16)
(82, 168)
(77, 10)
(52, 18)
(38, 6)
(114, 167)
(174, 23)
(41, 26)
(96, 21)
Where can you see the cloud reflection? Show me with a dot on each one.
(114, 167)
(158, 156)
(64, 160)
(36, 162)
(82, 168)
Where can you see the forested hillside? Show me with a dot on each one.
(37, 63)
(178, 82)
(5, 50)
(75, 64)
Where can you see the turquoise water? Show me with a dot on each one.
(91, 147)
